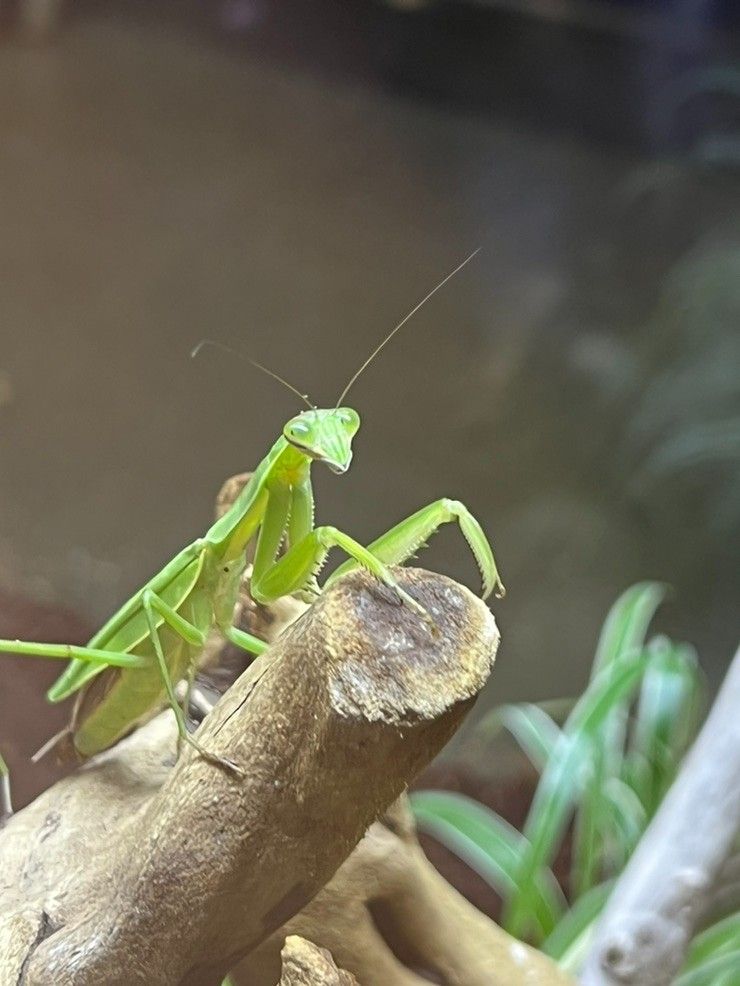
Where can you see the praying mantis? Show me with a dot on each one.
(155, 639)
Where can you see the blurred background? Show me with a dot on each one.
(290, 179)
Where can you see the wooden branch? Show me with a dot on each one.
(305, 964)
(668, 883)
(389, 917)
(110, 878)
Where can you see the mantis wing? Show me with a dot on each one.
(128, 627)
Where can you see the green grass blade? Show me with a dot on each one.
(572, 926)
(610, 820)
(728, 979)
(627, 623)
(622, 636)
(558, 709)
(588, 831)
(628, 821)
(490, 846)
(532, 728)
(564, 777)
(666, 718)
(637, 775)
(723, 936)
(713, 971)
(613, 687)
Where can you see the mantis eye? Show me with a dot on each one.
(346, 417)
(299, 430)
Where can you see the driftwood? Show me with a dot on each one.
(394, 921)
(680, 863)
(304, 964)
(137, 869)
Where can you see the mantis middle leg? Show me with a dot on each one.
(401, 542)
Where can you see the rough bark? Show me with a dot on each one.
(670, 880)
(110, 878)
(389, 917)
(305, 964)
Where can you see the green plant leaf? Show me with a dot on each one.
(563, 779)
(713, 971)
(568, 935)
(622, 636)
(588, 831)
(532, 728)
(627, 622)
(489, 845)
(666, 718)
(628, 820)
(722, 936)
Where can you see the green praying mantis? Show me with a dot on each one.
(153, 642)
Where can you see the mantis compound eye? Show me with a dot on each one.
(299, 430)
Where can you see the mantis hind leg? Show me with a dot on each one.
(402, 541)
(153, 607)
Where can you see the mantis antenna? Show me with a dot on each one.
(403, 321)
(270, 373)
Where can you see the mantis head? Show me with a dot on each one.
(325, 435)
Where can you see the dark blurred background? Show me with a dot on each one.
(290, 178)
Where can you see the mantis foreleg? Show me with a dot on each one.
(402, 541)
(300, 525)
(303, 560)
(300, 520)
(272, 530)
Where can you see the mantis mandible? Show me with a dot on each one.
(154, 640)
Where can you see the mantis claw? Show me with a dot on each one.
(415, 607)
(310, 592)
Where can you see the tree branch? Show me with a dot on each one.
(305, 964)
(390, 917)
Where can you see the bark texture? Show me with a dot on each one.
(389, 917)
(304, 964)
